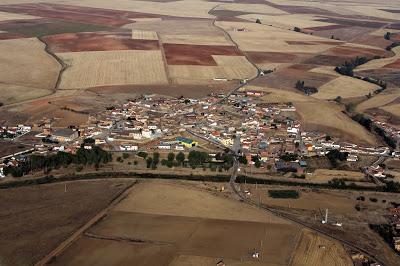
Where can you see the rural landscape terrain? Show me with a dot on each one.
(200, 132)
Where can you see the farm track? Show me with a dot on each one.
(258, 75)
(62, 64)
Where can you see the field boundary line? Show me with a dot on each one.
(58, 59)
(77, 234)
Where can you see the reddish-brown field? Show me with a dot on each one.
(9, 36)
(330, 27)
(327, 60)
(357, 51)
(186, 54)
(104, 41)
(272, 57)
(377, 41)
(395, 64)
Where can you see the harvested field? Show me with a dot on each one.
(101, 41)
(44, 27)
(288, 21)
(253, 8)
(184, 54)
(14, 93)
(377, 101)
(261, 38)
(195, 27)
(286, 78)
(329, 118)
(152, 227)
(191, 90)
(273, 57)
(328, 60)
(190, 8)
(53, 215)
(144, 35)
(92, 69)
(325, 175)
(149, 198)
(12, 16)
(87, 15)
(309, 251)
(92, 251)
(395, 64)
(205, 74)
(356, 51)
(346, 87)
(394, 109)
(27, 58)
(196, 40)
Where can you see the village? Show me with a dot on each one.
(271, 135)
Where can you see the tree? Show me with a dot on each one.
(297, 29)
(338, 99)
(142, 154)
(258, 21)
(243, 160)
(180, 157)
(387, 36)
(171, 156)
(125, 155)
(156, 158)
(149, 162)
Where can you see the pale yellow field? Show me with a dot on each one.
(150, 198)
(287, 21)
(144, 35)
(229, 67)
(187, 8)
(202, 28)
(325, 175)
(195, 39)
(270, 39)
(91, 69)
(346, 87)
(12, 16)
(254, 8)
(377, 101)
(379, 63)
(393, 109)
(27, 64)
(314, 249)
(14, 94)
(329, 70)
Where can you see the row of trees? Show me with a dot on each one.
(370, 126)
(95, 156)
(347, 68)
(300, 85)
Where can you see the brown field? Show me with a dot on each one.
(314, 249)
(272, 57)
(152, 227)
(92, 69)
(356, 51)
(100, 41)
(53, 215)
(97, 16)
(184, 54)
(325, 175)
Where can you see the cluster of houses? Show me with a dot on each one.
(266, 130)
(395, 223)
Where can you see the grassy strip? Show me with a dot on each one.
(201, 178)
